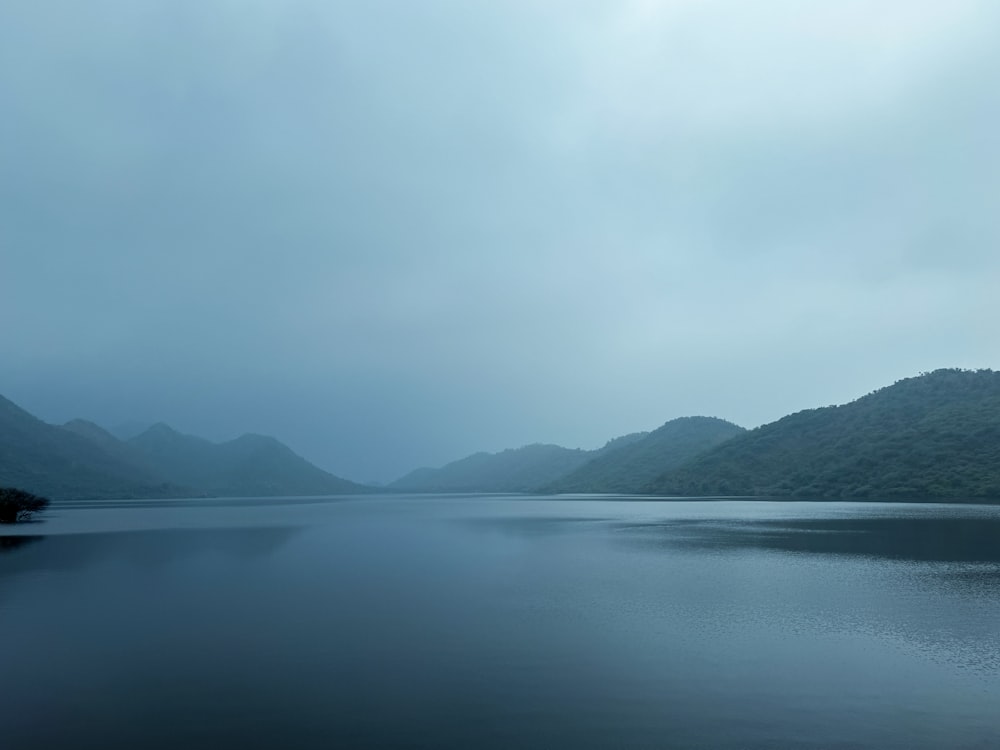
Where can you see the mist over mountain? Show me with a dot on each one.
(60, 463)
(629, 467)
(513, 470)
(82, 460)
(248, 465)
(112, 445)
(530, 468)
(127, 430)
(935, 435)
(932, 436)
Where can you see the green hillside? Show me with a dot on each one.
(936, 436)
(630, 467)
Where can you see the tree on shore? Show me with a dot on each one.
(17, 505)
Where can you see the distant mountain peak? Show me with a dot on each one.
(75, 460)
(622, 465)
(91, 430)
(83, 460)
(511, 470)
(86, 424)
(11, 410)
(249, 465)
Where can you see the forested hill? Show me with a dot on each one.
(630, 467)
(936, 435)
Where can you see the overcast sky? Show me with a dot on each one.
(392, 233)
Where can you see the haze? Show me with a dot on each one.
(394, 233)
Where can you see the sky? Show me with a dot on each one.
(393, 233)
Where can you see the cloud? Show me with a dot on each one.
(393, 233)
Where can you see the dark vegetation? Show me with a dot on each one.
(12, 543)
(628, 467)
(932, 436)
(80, 460)
(935, 436)
(17, 505)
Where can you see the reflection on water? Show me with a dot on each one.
(461, 622)
(930, 539)
(531, 526)
(11, 543)
(146, 548)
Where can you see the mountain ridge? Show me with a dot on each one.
(547, 468)
(512, 470)
(250, 464)
(628, 468)
(935, 435)
(56, 462)
(81, 460)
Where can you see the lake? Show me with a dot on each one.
(494, 622)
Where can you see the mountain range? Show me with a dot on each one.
(936, 435)
(524, 469)
(82, 460)
(624, 464)
(932, 436)
(628, 468)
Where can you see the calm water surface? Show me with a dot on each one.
(464, 622)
